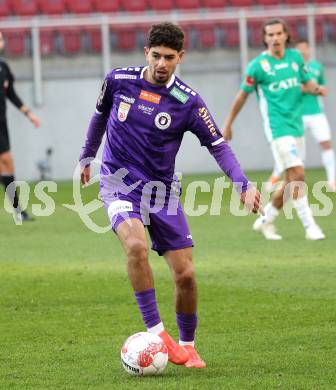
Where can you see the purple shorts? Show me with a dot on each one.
(161, 214)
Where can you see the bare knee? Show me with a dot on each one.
(185, 279)
(136, 250)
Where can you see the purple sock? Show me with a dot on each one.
(187, 324)
(148, 307)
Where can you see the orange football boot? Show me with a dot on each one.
(194, 360)
(176, 353)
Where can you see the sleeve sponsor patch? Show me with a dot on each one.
(102, 93)
(249, 81)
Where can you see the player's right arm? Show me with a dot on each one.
(96, 128)
(247, 86)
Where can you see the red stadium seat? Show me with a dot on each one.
(331, 20)
(298, 2)
(25, 7)
(5, 8)
(15, 42)
(188, 4)
(79, 6)
(255, 33)
(71, 40)
(268, 2)
(206, 35)
(52, 7)
(106, 6)
(242, 3)
(163, 5)
(94, 39)
(125, 37)
(215, 3)
(230, 31)
(319, 28)
(188, 30)
(297, 27)
(134, 5)
(47, 42)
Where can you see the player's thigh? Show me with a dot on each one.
(169, 230)
(286, 152)
(319, 126)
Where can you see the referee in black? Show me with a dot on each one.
(7, 91)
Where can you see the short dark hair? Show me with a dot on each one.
(302, 41)
(166, 34)
(271, 22)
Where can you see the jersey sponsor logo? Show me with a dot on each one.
(179, 95)
(204, 114)
(284, 84)
(295, 66)
(145, 109)
(127, 99)
(284, 65)
(102, 93)
(125, 76)
(162, 120)
(150, 97)
(119, 206)
(249, 81)
(123, 111)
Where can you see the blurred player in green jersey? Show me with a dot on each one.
(314, 119)
(277, 75)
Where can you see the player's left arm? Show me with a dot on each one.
(308, 83)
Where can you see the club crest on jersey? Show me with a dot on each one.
(162, 120)
(123, 111)
(266, 66)
(295, 66)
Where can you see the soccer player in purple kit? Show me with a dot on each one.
(145, 112)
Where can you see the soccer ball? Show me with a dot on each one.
(144, 354)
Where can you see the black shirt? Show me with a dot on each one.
(7, 90)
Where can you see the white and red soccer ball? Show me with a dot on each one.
(144, 354)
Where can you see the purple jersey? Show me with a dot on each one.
(145, 124)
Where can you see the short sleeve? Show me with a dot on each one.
(250, 80)
(203, 125)
(321, 79)
(304, 74)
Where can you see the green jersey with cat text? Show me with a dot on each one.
(277, 83)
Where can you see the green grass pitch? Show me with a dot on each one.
(266, 309)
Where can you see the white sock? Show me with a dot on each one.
(304, 212)
(328, 160)
(157, 329)
(192, 343)
(270, 213)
